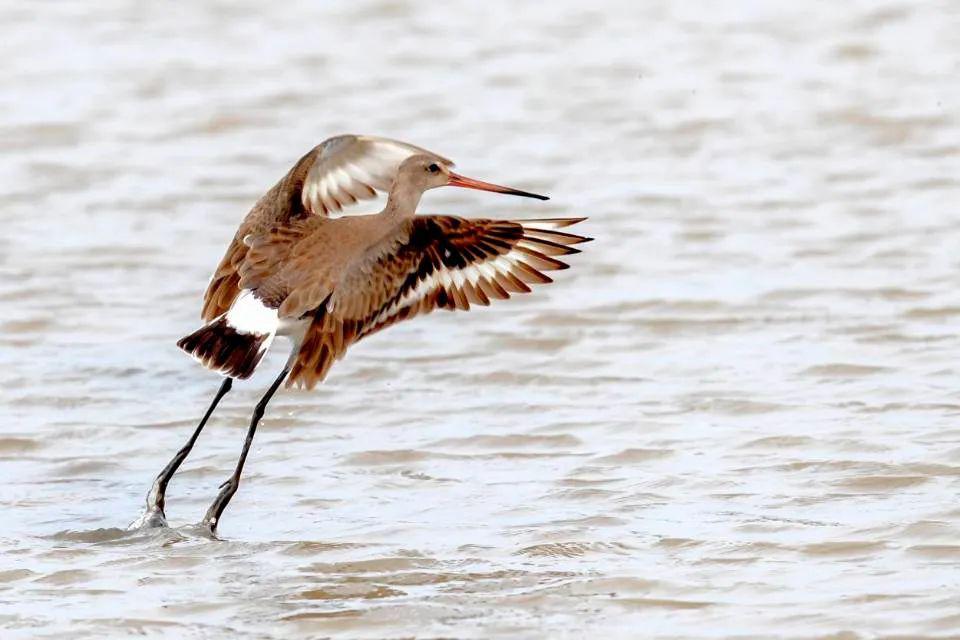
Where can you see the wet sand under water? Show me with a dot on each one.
(737, 415)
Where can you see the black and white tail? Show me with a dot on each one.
(235, 342)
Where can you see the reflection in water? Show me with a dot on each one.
(736, 416)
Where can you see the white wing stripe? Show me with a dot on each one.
(348, 164)
(450, 277)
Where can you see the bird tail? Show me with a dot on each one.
(234, 342)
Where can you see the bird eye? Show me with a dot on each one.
(433, 168)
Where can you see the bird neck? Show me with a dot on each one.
(402, 201)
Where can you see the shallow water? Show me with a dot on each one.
(737, 415)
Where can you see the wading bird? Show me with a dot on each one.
(325, 283)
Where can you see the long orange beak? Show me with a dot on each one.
(456, 180)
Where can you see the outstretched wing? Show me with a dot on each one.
(351, 168)
(339, 171)
(432, 262)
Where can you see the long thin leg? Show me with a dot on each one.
(154, 516)
(228, 488)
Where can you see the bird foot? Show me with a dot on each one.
(151, 518)
(212, 517)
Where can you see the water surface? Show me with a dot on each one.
(736, 416)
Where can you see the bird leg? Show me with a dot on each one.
(228, 488)
(154, 515)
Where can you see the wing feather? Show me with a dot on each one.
(350, 168)
(438, 262)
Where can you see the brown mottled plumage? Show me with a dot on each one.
(337, 172)
(413, 266)
(338, 279)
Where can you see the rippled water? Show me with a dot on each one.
(737, 415)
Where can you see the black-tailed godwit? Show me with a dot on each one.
(325, 283)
